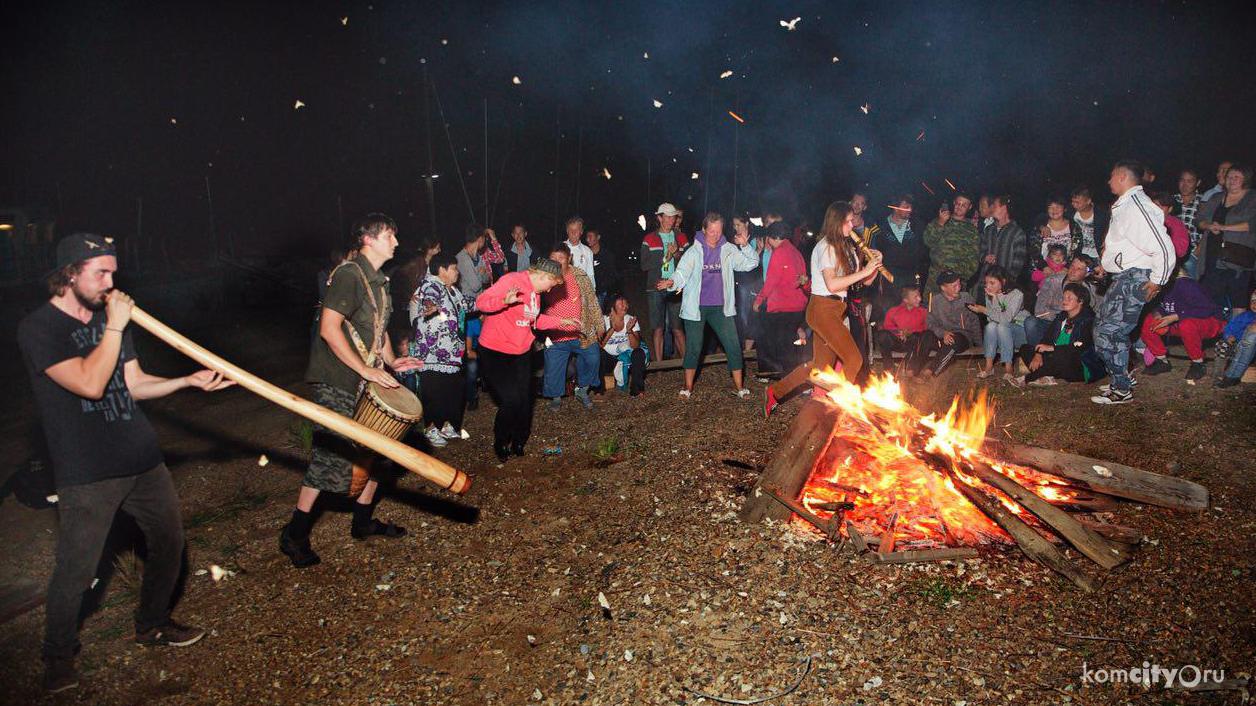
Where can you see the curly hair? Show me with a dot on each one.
(62, 279)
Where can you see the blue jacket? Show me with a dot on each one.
(1238, 325)
(688, 277)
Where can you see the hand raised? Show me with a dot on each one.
(117, 309)
(512, 296)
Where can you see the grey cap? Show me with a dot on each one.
(547, 266)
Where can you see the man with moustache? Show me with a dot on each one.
(86, 378)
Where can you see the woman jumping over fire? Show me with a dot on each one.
(834, 268)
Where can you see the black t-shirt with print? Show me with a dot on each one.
(89, 440)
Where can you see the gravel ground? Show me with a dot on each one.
(495, 598)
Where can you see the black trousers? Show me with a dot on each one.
(929, 342)
(509, 378)
(1063, 363)
(777, 352)
(442, 397)
(888, 343)
(636, 368)
(86, 512)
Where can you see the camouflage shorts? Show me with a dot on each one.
(330, 468)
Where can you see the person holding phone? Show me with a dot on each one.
(952, 242)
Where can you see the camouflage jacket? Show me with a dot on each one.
(952, 246)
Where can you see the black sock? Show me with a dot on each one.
(300, 525)
(362, 514)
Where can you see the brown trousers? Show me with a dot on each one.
(832, 342)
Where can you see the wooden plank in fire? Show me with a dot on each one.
(1105, 476)
(790, 468)
(1087, 541)
(1034, 545)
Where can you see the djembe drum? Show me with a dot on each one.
(391, 411)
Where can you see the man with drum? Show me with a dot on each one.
(350, 351)
(86, 379)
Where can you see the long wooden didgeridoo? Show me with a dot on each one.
(421, 464)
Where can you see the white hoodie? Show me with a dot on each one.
(1137, 238)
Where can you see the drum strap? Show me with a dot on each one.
(379, 319)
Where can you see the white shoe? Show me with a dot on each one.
(435, 438)
(462, 434)
(1107, 386)
(983, 374)
(449, 432)
(685, 394)
(743, 393)
(1016, 381)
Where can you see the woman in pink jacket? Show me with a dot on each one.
(781, 302)
(511, 308)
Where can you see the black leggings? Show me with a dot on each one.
(1065, 363)
(509, 377)
(442, 396)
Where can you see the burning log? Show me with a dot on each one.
(1034, 545)
(887, 537)
(1100, 550)
(788, 471)
(824, 526)
(1105, 476)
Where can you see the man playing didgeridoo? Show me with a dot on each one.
(350, 350)
(86, 378)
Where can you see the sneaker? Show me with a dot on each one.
(1045, 381)
(59, 674)
(1196, 371)
(582, 394)
(435, 438)
(743, 393)
(171, 634)
(449, 432)
(1158, 366)
(769, 402)
(1226, 382)
(297, 550)
(1015, 381)
(1107, 386)
(983, 374)
(1113, 397)
(555, 404)
(685, 394)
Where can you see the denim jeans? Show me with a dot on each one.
(1003, 339)
(1244, 352)
(1116, 320)
(556, 356)
(1035, 329)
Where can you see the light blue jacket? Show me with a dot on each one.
(688, 277)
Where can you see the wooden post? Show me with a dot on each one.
(788, 471)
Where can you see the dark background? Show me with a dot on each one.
(107, 103)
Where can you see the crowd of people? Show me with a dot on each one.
(1065, 301)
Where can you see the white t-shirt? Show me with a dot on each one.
(823, 257)
(618, 342)
(582, 257)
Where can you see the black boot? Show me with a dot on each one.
(294, 540)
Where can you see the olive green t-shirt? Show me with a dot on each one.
(347, 295)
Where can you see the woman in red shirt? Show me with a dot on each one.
(511, 308)
(784, 294)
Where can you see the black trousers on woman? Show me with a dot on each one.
(510, 381)
(777, 352)
(442, 397)
(1063, 363)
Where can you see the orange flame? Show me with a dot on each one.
(872, 461)
(737, 117)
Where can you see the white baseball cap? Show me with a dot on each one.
(666, 209)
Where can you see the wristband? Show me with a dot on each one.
(107, 328)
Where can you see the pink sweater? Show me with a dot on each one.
(508, 328)
(780, 287)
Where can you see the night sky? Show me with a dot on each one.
(106, 103)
